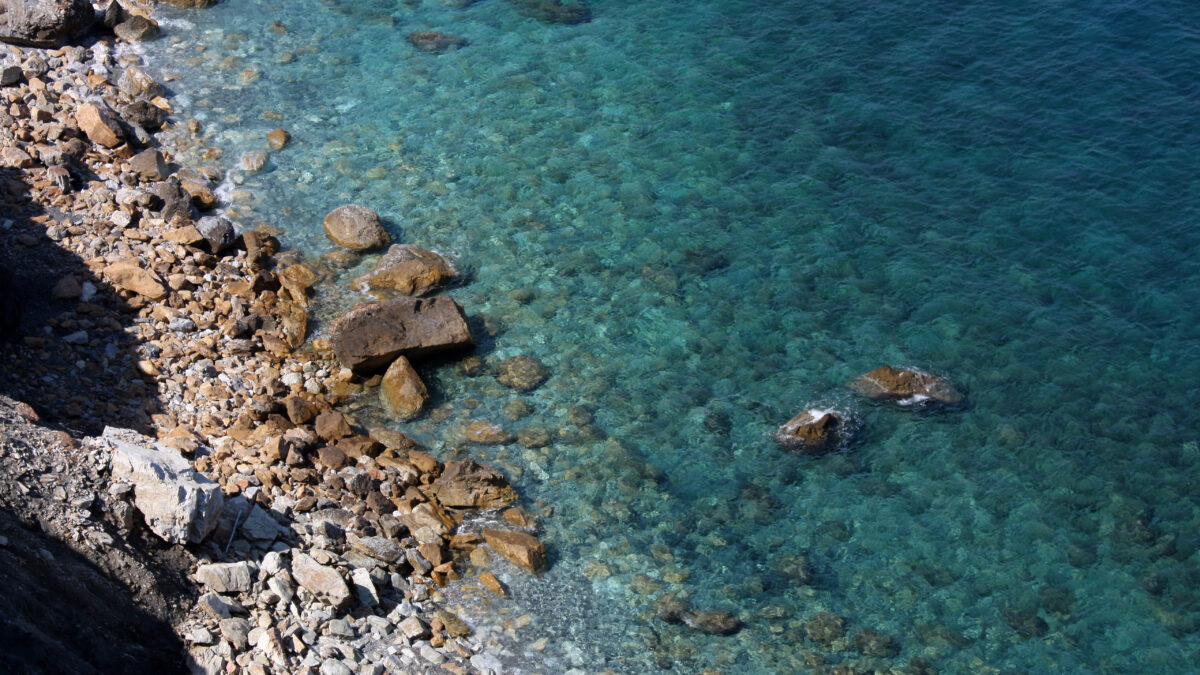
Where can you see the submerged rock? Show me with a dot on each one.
(555, 11)
(876, 644)
(825, 628)
(810, 431)
(356, 228)
(434, 42)
(191, 4)
(906, 386)
(278, 138)
(179, 505)
(44, 23)
(487, 433)
(372, 335)
(713, 622)
(469, 484)
(409, 270)
(523, 373)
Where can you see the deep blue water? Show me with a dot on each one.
(717, 214)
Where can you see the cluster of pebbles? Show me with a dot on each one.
(332, 541)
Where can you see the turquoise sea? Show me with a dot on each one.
(706, 216)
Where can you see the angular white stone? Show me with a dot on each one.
(179, 505)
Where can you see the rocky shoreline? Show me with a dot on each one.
(171, 351)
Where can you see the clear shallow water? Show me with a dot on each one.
(718, 213)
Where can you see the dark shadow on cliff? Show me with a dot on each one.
(59, 613)
(68, 349)
(72, 354)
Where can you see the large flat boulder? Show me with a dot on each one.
(44, 23)
(371, 336)
(469, 484)
(179, 505)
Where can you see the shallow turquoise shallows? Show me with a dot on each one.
(706, 216)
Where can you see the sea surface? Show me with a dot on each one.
(706, 216)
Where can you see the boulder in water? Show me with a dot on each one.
(518, 547)
(434, 42)
(906, 386)
(356, 228)
(402, 391)
(409, 270)
(469, 484)
(523, 373)
(810, 431)
(371, 336)
(555, 11)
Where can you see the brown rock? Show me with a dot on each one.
(191, 4)
(469, 484)
(493, 584)
(518, 547)
(428, 514)
(331, 425)
(825, 627)
(425, 462)
(873, 643)
(555, 11)
(519, 517)
(407, 269)
(136, 29)
(299, 410)
(533, 437)
(431, 41)
(296, 280)
(713, 622)
(523, 373)
(810, 431)
(487, 433)
(100, 124)
(393, 440)
(432, 552)
(137, 84)
(187, 235)
(356, 446)
(292, 321)
(905, 386)
(356, 228)
(331, 457)
(67, 288)
(402, 391)
(278, 139)
(373, 335)
(149, 164)
(128, 275)
(670, 608)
